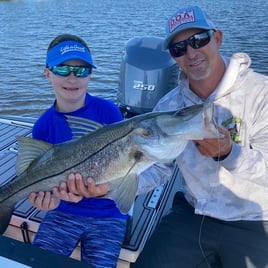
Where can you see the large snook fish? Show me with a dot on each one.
(114, 153)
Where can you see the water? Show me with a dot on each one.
(27, 27)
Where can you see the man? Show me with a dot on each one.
(220, 219)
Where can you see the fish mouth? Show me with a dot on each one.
(192, 122)
(174, 124)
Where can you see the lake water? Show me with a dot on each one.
(28, 26)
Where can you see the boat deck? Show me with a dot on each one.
(147, 211)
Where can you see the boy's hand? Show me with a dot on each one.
(77, 186)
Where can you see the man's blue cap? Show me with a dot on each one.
(186, 18)
(68, 50)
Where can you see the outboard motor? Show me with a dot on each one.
(147, 73)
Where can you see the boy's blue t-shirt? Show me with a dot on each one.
(52, 127)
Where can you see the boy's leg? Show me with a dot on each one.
(58, 232)
(102, 241)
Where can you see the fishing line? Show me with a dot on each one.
(203, 217)
(211, 191)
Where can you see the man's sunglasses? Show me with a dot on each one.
(65, 70)
(196, 41)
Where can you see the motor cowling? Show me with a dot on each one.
(147, 73)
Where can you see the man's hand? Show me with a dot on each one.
(215, 148)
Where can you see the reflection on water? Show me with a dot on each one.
(27, 27)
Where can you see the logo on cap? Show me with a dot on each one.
(71, 48)
(181, 18)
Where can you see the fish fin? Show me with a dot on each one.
(29, 150)
(123, 192)
(81, 126)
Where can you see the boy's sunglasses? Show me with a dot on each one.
(196, 41)
(65, 70)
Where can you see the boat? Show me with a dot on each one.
(146, 74)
